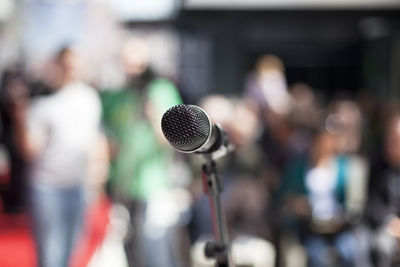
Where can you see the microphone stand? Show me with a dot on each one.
(212, 186)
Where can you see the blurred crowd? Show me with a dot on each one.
(317, 179)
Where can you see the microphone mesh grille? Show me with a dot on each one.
(186, 127)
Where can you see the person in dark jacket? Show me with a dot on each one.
(384, 192)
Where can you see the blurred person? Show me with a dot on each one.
(345, 122)
(267, 85)
(314, 199)
(55, 134)
(141, 159)
(302, 120)
(305, 105)
(384, 201)
(252, 176)
(13, 85)
(303, 116)
(266, 88)
(247, 203)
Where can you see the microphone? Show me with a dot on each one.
(188, 129)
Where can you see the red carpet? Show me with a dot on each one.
(96, 225)
(17, 247)
(16, 244)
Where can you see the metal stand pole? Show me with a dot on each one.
(212, 185)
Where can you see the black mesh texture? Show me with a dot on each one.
(186, 127)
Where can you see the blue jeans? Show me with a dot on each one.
(345, 245)
(57, 215)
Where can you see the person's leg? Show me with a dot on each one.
(132, 244)
(73, 203)
(346, 246)
(317, 251)
(157, 241)
(45, 210)
(159, 230)
(385, 246)
(364, 240)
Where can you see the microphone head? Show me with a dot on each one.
(186, 127)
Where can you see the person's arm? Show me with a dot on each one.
(27, 147)
(18, 110)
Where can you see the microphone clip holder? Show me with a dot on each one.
(221, 146)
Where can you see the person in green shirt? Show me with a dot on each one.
(140, 156)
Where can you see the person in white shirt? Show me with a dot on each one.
(55, 133)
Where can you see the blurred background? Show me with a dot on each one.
(308, 92)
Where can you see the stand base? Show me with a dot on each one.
(215, 251)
